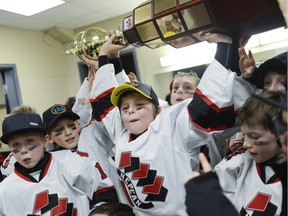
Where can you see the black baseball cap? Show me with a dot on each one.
(57, 112)
(142, 88)
(273, 64)
(21, 122)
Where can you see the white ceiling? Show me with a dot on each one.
(71, 15)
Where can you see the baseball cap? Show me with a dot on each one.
(57, 112)
(21, 122)
(142, 88)
(273, 64)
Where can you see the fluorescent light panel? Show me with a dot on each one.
(28, 7)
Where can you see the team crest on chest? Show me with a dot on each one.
(260, 205)
(151, 183)
(45, 202)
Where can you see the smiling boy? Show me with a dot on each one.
(62, 126)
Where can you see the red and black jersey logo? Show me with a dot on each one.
(45, 202)
(147, 178)
(260, 205)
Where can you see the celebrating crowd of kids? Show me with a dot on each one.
(218, 146)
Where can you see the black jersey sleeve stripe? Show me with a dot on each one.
(207, 116)
(101, 105)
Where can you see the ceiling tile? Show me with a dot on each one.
(126, 7)
(73, 14)
(6, 17)
(62, 13)
(96, 4)
(83, 21)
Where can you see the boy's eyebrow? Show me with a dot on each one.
(142, 100)
(12, 144)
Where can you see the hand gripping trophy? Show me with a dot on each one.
(89, 42)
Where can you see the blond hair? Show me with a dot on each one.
(191, 74)
(21, 109)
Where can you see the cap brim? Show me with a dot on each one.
(118, 91)
(282, 105)
(4, 138)
(73, 116)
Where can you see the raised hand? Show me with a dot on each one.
(132, 77)
(246, 63)
(111, 49)
(205, 165)
(90, 62)
(235, 144)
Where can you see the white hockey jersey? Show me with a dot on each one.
(7, 166)
(63, 188)
(151, 168)
(248, 186)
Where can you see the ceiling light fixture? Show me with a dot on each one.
(28, 7)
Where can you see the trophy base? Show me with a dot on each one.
(243, 18)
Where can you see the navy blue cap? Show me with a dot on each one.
(21, 122)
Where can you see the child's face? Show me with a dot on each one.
(183, 88)
(137, 112)
(65, 133)
(261, 144)
(27, 148)
(274, 82)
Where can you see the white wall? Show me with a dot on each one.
(41, 67)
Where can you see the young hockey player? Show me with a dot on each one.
(63, 131)
(45, 183)
(255, 178)
(151, 148)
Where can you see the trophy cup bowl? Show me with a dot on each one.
(73, 49)
(89, 42)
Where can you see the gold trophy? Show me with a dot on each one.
(89, 42)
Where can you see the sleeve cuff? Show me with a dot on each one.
(103, 60)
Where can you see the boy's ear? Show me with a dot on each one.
(159, 109)
(78, 125)
(48, 140)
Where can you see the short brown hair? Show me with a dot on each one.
(113, 209)
(255, 112)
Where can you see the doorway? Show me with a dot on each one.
(10, 96)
